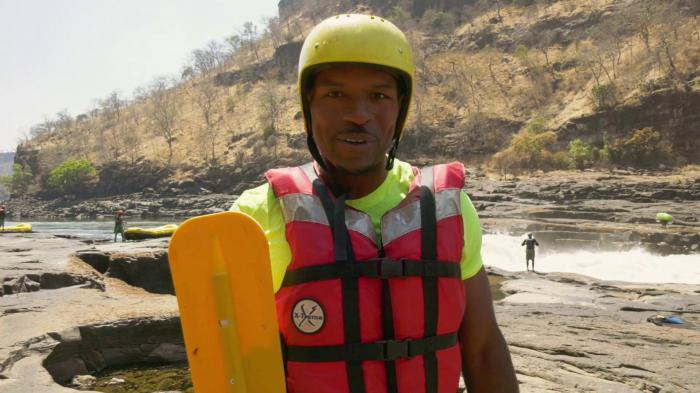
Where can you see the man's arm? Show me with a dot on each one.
(486, 362)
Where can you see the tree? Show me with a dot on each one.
(604, 96)
(164, 112)
(250, 38)
(209, 58)
(493, 57)
(20, 179)
(132, 139)
(63, 122)
(206, 98)
(642, 20)
(112, 107)
(74, 177)
(274, 30)
(580, 153)
(646, 147)
(234, 43)
(271, 103)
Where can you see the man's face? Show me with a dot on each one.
(354, 110)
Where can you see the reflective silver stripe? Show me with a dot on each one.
(407, 219)
(303, 207)
(309, 171)
(361, 223)
(308, 208)
(426, 177)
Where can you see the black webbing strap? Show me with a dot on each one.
(430, 287)
(380, 268)
(351, 296)
(322, 193)
(392, 385)
(385, 350)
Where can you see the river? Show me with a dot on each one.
(499, 250)
(634, 265)
(88, 229)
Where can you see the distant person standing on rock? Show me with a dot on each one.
(2, 216)
(119, 224)
(530, 242)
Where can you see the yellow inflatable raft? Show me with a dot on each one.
(137, 233)
(18, 228)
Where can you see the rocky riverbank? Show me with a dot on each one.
(70, 309)
(605, 210)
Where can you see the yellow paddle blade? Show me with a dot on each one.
(221, 271)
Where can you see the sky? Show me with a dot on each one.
(60, 55)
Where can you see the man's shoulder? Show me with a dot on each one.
(254, 199)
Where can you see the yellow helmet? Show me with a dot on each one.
(355, 38)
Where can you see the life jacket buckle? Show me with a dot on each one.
(391, 268)
(395, 349)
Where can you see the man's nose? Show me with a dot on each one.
(358, 112)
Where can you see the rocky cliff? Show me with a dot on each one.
(595, 71)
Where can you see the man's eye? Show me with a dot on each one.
(381, 96)
(334, 94)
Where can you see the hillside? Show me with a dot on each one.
(517, 85)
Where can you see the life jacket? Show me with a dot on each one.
(359, 315)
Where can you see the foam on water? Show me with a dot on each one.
(635, 265)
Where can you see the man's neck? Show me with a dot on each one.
(355, 185)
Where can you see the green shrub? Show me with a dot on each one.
(521, 52)
(443, 21)
(604, 96)
(537, 125)
(580, 154)
(529, 151)
(557, 160)
(508, 162)
(532, 145)
(74, 177)
(19, 180)
(646, 147)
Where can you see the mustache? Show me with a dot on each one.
(354, 129)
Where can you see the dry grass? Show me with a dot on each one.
(461, 83)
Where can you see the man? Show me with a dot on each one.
(3, 213)
(119, 224)
(530, 242)
(374, 262)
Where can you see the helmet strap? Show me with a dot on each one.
(392, 155)
(313, 149)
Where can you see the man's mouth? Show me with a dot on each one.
(355, 141)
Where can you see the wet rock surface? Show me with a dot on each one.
(75, 328)
(570, 333)
(71, 309)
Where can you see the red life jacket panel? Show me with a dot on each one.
(358, 315)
